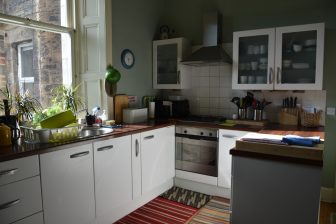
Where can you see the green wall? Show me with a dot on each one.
(185, 17)
(134, 24)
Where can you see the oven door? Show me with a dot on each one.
(197, 155)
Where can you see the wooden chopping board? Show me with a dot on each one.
(120, 102)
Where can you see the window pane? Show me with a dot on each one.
(48, 11)
(34, 60)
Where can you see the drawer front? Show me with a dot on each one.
(34, 219)
(18, 169)
(20, 199)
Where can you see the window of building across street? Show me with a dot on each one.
(35, 46)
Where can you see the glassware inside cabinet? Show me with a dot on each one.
(253, 59)
(167, 64)
(299, 57)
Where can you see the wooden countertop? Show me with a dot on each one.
(23, 149)
(284, 153)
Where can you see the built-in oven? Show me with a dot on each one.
(196, 153)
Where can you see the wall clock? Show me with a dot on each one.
(127, 58)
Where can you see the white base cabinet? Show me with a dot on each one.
(227, 140)
(68, 185)
(157, 157)
(113, 174)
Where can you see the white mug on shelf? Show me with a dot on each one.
(254, 65)
(262, 49)
(243, 79)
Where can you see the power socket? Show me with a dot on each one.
(331, 111)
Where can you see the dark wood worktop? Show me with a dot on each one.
(23, 149)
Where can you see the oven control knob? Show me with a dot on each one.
(210, 134)
(201, 133)
(185, 131)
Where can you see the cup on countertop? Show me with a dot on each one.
(243, 79)
(251, 79)
(254, 65)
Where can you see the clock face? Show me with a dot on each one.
(127, 58)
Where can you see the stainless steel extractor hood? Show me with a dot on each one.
(211, 51)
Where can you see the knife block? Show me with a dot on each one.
(289, 116)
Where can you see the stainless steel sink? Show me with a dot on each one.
(94, 131)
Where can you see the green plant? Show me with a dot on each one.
(67, 98)
(5, 95)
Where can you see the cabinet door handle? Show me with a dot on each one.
(105, 148)
(9, 204)
(76, 155)
(178, 77)
(278, 75)
(8, 172)
(270, 75)
(136, 147)
(229, 136)
(149, 137)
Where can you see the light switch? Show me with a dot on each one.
(331, 111)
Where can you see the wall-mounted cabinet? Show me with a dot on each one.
(282, 58)
(167, 71)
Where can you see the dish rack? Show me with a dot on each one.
(33, 134)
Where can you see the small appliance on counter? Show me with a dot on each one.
(171, 109)
(135, 115)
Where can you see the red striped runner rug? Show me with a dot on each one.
(159, 211)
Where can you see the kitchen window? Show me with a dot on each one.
(36, 46)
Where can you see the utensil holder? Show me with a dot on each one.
(257, 115)
(289, 116)
(310, 119)
(242, 113)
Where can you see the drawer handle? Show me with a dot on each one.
(149, 137)
(8, 172)
(9, 204)
(136, 148)
(105, 148)
(229, 136)
(76, 155)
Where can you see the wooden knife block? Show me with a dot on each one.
(289, 116)
(120, 102)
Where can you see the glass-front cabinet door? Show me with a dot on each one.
(166, 68)
(299, 57)
(253, 59)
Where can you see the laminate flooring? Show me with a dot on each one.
(326, 210)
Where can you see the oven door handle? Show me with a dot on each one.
(197, 137)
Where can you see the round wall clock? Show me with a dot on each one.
(127, 58)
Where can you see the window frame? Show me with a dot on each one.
(23, 80)
(43, 26)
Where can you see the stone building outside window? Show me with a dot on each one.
(35, 46)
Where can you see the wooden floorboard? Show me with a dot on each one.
(326, 209)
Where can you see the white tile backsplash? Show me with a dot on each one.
(211, 94)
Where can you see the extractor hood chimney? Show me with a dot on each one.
(211, 51)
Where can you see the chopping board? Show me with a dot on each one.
(120, 102)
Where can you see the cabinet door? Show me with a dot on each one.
(157, 157)
(227, 141)
(253, 59)
(167, 55)
(67, 185)
(113, 177)
(299, 57)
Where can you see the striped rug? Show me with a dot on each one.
(215, 212)
(159, 211)
(186, 197)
